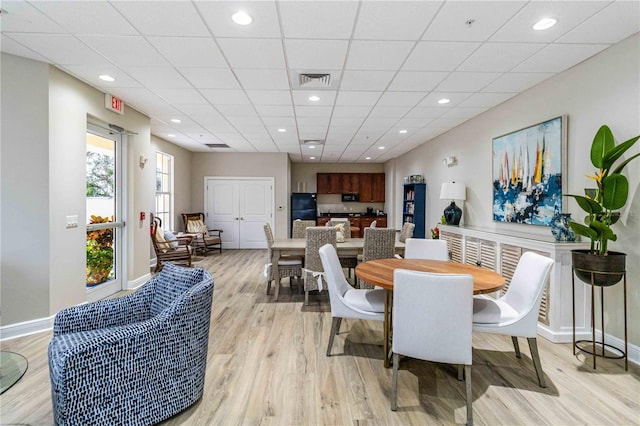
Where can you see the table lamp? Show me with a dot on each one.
(453, 191)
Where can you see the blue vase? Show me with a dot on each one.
(560, 227)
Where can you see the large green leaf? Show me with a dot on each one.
(615, 190)
(616, 152)
(624, 163)
(587, 204)
(585, 231)
(602, 143)
(603, 230)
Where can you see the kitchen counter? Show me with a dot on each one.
(352, 215)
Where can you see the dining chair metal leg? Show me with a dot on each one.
(460, 372)
(467, 379)
(306, 298)
(516, 346)
(533, 347)
(394, 383)
(335, 328)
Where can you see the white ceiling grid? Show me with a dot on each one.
(390, 62)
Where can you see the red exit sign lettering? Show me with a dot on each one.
(113, 104)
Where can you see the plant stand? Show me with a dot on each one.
(595, 344)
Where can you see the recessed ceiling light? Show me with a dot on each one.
(544, 23)
(282, 130)
(312, 147)
(381, 147)
(402, 131)
(242, 18)
(176, 120)
(444, 101)
(314, 98)
(171, 135)
(312, 158)
(106, 77)
(367, 158)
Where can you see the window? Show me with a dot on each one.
(164, 189)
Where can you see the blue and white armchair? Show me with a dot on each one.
(134, 360)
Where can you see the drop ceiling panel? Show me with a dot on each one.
(301, 98)
(316, 54)
(431, 100)
(398, 20)
(426, 112)
(159, 77)
(499, 57)
(389, 111)
(350, 112)
(516, 82)
(366, 80)
(90, 73)
(377, 55)
(347, 98)
(615, 22)
(189, 51)
(270, 97)
(407, 99)
(127, 51)
(417, 81)
(60, 48)
(86, 17)
(253, 52)
(225, 97)
(210, 78)
(287, 123)
(181, 96)
(217, 15)
(262, 79)
(486, 99)
(22, 17)
(164, 18)
(11, 46)
(313, 111)
(275, 110)
(324, 20)
(467, 81)
(438, 56)
(559, 57)
(237, 111)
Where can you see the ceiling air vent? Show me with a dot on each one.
(217, 145)
(311, 142)
(315, 80)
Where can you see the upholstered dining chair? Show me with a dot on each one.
(516, 313)
(420, 248)
(346, 301)
(137, 359)
(299, 227)
(342, 225)
(205, 238)
(379, 243)
(406, 231)
(315, 238)
(432, 321)
(167, 247)
(288, 266)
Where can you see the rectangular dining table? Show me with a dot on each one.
(296, 246)
(380, 273)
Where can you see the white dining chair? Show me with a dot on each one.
(432, 321)
(419, 248)
(346, 301)
(516, 313)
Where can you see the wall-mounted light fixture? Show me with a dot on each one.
(143, 161)
(450, 161)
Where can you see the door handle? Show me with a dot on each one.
(242, 218)
(236, 218)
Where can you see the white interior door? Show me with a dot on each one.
(240, 207)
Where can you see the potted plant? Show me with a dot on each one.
(604, 266)
(99, 252)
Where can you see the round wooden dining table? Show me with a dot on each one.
(380, 273)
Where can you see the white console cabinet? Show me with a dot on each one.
(500, 252)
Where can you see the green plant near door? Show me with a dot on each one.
(99, 252)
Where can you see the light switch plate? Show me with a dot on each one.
(72, 221)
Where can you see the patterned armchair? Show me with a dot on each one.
(138, 359)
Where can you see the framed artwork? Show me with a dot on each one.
(529, 167)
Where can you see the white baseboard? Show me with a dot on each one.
(13, 331)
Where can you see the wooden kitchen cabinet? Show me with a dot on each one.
(372, 187)
(350, 183)
(329, 183)
(322, 221)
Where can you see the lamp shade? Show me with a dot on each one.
(453, 191)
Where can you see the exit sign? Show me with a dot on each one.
(113, 104)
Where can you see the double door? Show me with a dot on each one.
(239, 207)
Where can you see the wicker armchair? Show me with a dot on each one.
(138, 359)
(288, 266)
(300, 226)
(204, 238)
(347, 262)
(176, 249)
(316, 237)
(406, 231)
(379, 243)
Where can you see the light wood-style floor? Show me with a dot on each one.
(267, 365)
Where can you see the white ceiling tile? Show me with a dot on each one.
(366, 80)
(394, 112)
(275, 123)
(90, 73)
(170, 18)
(159, 77)
(263, 79)
(486, 99)
(270, 97)
(130, 51)
(225, 97)
(199, 110)
(9, 45)
(253, 53)
(499, 57)
(281, 139)
(426, 112)
(438, 56)
(189, 51)
(301, 97)
(404, 99)
(60, 48)
(377, 55)
(275, 110)
(397, 20)
(181, 96)
(22, 17)
(313, 121)
(86, 17)
(558, 57)
(316, 54)
(568, 13)
(312, 133)
(409, 123)
(614, 23)
(237, 111)
(488, 17)
(217, 14)
(466, 81)
(313, 111)
(318, 19)
(431, 100)
(461, 112)
(210, 78)
(516, 82)
(417, 80)
(244, 120)
(350, 112)
(357, 98)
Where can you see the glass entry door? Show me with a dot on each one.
(104, 213)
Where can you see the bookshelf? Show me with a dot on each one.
(414, 207)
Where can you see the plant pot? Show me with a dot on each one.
(606, 270)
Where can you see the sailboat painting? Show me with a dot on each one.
(528, 170)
